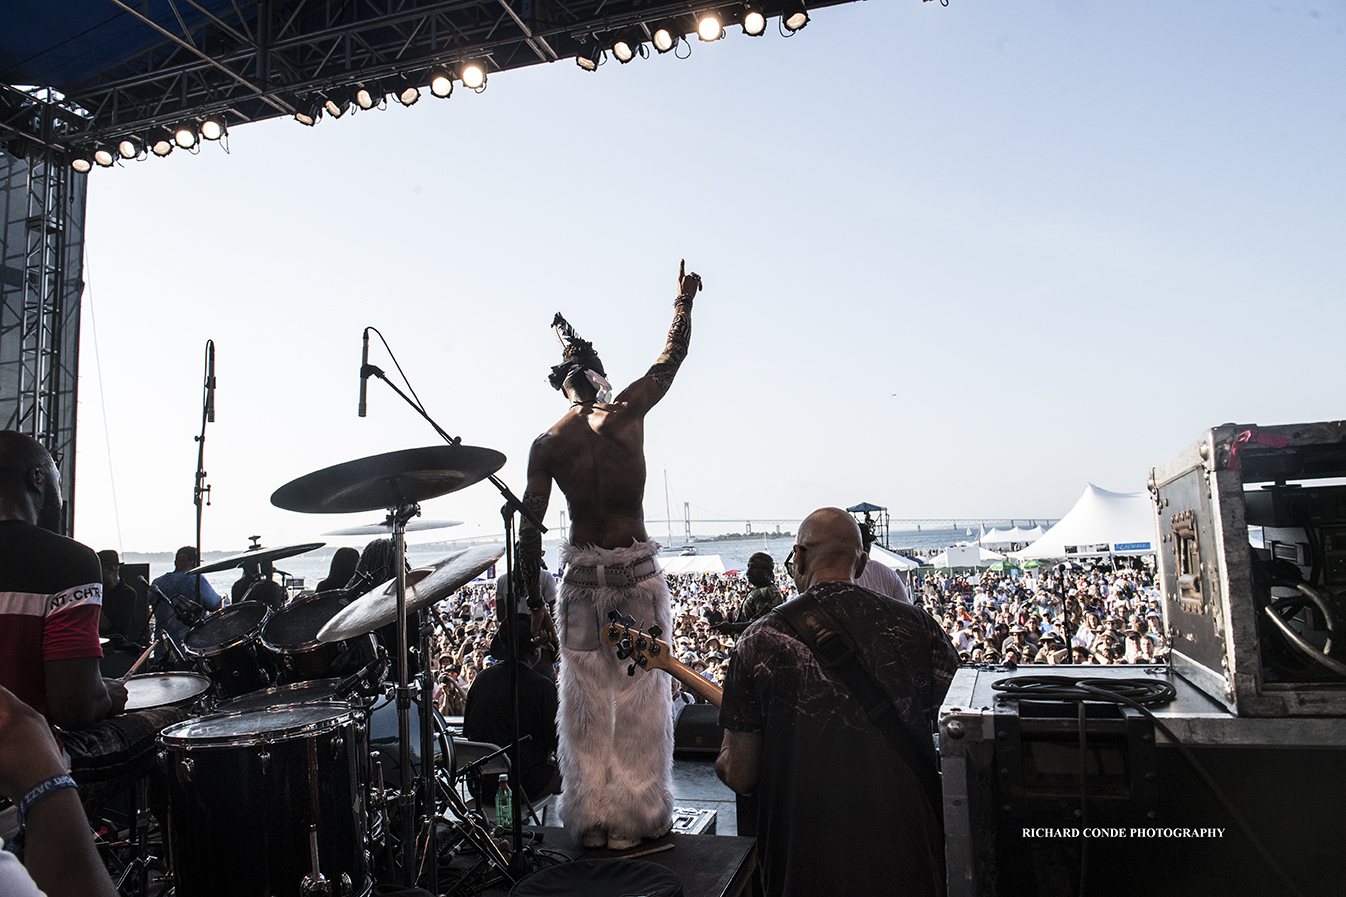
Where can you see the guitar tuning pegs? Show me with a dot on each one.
(642, 660)
(631, 670)
(656, 630)
(623, 653)
(614, 616)
(627, 620)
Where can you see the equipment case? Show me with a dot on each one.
(1015, 825)
(1239, 516)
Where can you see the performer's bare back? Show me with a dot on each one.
(596, 454)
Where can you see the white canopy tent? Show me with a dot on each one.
(1101, 524)
(966, 556)
(895, 562)
(1014, 535)
(700, 563)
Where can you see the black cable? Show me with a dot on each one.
(403, 374)
(1137, 693)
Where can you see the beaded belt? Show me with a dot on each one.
(614, 575)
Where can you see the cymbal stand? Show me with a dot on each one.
(407, 795)
(512, 504)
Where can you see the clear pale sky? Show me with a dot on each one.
(959, 261)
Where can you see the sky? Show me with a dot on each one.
(959, 261)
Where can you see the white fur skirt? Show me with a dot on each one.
(616, 730)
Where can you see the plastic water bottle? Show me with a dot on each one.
(504, 803)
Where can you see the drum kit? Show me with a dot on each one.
(277, 787)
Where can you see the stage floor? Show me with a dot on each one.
(709, 865)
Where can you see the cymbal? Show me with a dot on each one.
(388, 480)
(425, 586)
(383, 529)
(257, 556)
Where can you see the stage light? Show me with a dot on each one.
(367, 96)
(104, 156)
(473, 75)
(441, 83)
(590, 57)
(754, 22)
(130, 147)
(307, 111)
(212, 127)
(665, 38)
(82, 162)
(794, 16)
(407, 94)
(338, 102)
(184, 135)
(627, 46)
(161, 142)
(708, 28)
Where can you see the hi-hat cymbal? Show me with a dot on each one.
(385, 528)
(389, 480)
(425, 586)
(257, 556)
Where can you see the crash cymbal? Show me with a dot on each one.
(383, 529)
(257, 556)
(389, 480)
(425, 586)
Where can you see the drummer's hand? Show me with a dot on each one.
(116, 690)
(543, 629)
(28, 752)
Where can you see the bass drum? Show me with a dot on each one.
(225, 643)
(246, 790)
(291, 634)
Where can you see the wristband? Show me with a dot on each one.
(539, 606)
(43, 789)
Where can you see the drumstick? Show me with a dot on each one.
(135, 666)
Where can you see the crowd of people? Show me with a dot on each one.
(1064, 615)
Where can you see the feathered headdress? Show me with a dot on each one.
(576, 352)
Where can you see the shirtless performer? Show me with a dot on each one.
(616, 731)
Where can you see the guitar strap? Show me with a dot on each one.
(835, 651)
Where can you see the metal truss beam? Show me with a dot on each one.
(256, 61)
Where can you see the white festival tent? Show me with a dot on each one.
(966, 556)
(1006, 537)
(700, 563)
(1101, 523)
(895, 562)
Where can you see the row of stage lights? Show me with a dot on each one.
(159, 142)
(665, 37)
(624, 46)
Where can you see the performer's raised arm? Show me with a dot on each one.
(528, 549)
(648, 390)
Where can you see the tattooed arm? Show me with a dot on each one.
(646, 392)
(528, 549)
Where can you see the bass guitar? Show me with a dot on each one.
(646, 650)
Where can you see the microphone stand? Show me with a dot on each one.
(518, 862)
(202, 491)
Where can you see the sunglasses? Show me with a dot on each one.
(790, 560)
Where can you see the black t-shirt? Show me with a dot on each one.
(838, 811)
(489, 716)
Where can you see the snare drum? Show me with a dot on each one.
(150, 690)
(247, 789)
(226, 644)
(291, 633)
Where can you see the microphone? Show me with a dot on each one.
(210, 381)
(364, 372)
